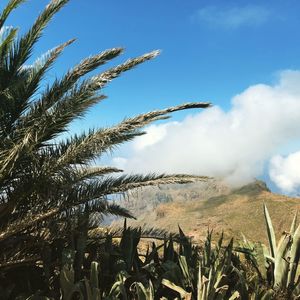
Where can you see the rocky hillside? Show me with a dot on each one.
(197, 207)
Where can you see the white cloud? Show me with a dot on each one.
(154, 135)
(234, 145)
(232, 17)
(120, 162)
(285, 172)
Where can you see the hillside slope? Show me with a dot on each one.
(197, 207)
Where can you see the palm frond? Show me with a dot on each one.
(19, 97)
(24, 47)
(54, 93)
(79, 99)
(125, 183)
(92, 172)
(102, 207)
(95, 192)
(12, 4)
(80, 149)
(7, 38)
(88, 146)
(48, 185)
(99, 81)
(82, 97)
(110, 185)
(41, 65)
(25, 223)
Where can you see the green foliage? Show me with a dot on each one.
(277, 266)
(114, 266)
(51, 194)
(85, 289)
(52, 197)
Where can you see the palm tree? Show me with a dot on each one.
(46, 182)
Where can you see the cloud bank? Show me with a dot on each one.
(232, 17)
(285, 172)
(235, 144)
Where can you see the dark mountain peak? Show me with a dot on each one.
(253, 188)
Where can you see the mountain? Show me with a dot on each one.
(199, 206)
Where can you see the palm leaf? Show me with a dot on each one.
(12, 4)
(23, 49)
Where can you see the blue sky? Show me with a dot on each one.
(200, 60)
(211, 50)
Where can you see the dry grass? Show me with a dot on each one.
(234, 213)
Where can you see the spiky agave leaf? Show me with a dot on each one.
(281, 266)
(270, 231)
(101, 232)
(294, 224)
(294, 255)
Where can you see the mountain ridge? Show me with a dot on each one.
(202, 206)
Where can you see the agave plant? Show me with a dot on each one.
(284, 256)
(51, 192)
(221, 274)
(176, 269)
(278, 264)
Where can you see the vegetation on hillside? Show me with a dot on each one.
(53, 198)
(201, 205)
